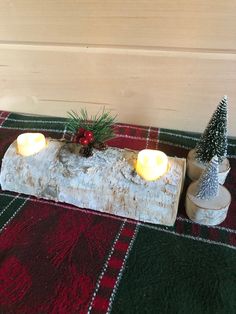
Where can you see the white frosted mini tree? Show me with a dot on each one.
(207, 201)
(214, 139)
(208, 184)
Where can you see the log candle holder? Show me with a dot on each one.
(104, 182)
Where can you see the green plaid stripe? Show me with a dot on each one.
(10, 206)
(168, 274)
(231, 147)
(17, 121)
(183, 139)
(39, 119)
(183, 228)
(188, 140)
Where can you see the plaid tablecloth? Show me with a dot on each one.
(56, 258)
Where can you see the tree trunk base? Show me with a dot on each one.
(207, 212)
(195, 168)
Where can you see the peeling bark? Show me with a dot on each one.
(104, 182)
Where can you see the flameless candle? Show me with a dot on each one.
(30, 143)
(151, 164)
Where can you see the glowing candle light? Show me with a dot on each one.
(151, 164)
(30, 143)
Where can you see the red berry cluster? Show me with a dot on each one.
(84, 137)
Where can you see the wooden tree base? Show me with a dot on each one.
(195, 168)
(105, 182)
(207, 212)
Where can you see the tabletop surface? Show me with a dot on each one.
(57, 258)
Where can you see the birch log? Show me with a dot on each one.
(104, 182)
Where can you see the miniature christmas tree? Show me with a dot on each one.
(91, 132)
(208, 184)
(207, 202)
(214, 139)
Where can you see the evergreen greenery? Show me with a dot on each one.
(102, 125)
(208, 184)
(214, 139)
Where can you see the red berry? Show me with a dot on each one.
(91, 139)
(88, 134)
(83, 141)
(80, 132)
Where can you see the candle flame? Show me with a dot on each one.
(151, 164)
(30, 143)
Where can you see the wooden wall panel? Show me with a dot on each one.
(159, 88)
(156, 62)
(184, 24)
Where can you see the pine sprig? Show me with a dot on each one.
(101, 124)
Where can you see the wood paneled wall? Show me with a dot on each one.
(161, 63)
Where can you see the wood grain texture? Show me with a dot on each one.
(145, 23)
(178, 90)
(58, 172)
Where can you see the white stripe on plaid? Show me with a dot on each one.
(148, 135)
(158, 137)
(190, 237)
(37, 121)
(136, 137)
(4, 119)
(120, 125)
(35, 129)
(5, 208)
(119, 136)
(105, 267)
(15, 213)
(63, 122)
(64, 133)
(122, 269)
(214, 227)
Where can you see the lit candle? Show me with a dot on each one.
(30, 143)
(151, 164)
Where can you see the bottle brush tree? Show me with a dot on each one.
(214, 139)
(208, 184)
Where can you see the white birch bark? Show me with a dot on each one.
(104, 182)
(207, 212)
